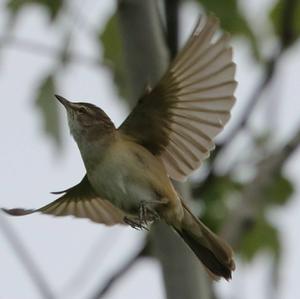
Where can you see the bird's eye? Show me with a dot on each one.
(82, 110)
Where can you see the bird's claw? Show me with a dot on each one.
(146, 215)
(136, 224)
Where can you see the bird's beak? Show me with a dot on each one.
(67, 104)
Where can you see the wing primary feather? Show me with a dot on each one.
(191, 141)
(50, 207)
(101, 212)
(90, 212)
(196, 109)
(198, 120)
(214, 64)
(189, 128)
(173, 163)
(200, 60)
(180, 156)
(189, 41)
(203, 38)
(176, 141)
(59, 209)
(80, 212)
(204, 78)
(177, 100)
(231, 83)
(175, 84)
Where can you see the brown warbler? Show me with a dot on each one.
(166, 136)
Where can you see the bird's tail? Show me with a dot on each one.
(212, 251)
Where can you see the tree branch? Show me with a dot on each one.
(111, 282)
(288, 33)
(171, 8)
(144, 47)
(147, 58)
(242, 217)
(286, 36)
(46, 50)
(34, 272)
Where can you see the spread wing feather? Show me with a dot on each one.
(79, 201)
(179, 118)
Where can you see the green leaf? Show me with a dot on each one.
(277, 18)
(279, 191)
(215, 199)
(49, 109)
(53, 6)
(219, 188)
(263, 139)
(113, 56)
(231, 19)
(262, 236)
(214, 214)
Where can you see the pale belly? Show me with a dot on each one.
(123, 180)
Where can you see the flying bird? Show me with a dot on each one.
(166, 136)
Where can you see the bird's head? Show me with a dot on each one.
(87, 122)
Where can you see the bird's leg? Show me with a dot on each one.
(143, 213)
(146, 213)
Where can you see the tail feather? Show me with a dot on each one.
(213, 252)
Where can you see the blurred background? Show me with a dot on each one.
(106, 52)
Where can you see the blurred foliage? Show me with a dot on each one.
(218, 192)
(258, 235)
(220, 188)
(232, 20)
(53, 6)
(215, 198)
(263, 140)
(277, 19)
(262, 236)
(279, 191)
(110, 39)
(48, 107)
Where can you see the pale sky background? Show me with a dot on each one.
(31, 166)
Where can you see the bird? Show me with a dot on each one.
(167, 136)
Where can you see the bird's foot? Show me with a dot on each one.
(135, 223)
(147, 214)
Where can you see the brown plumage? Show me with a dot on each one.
(167, 135)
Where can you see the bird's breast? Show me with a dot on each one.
(123, 179)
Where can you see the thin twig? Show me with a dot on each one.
(75, 12)
(286, 37)
(103, 290)
(28, 262)
(28, 45)
(99, 252)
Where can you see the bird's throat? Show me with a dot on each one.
(93, 150)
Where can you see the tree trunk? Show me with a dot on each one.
(147, 58)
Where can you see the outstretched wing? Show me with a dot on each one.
(179, 118)
(79, 201)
